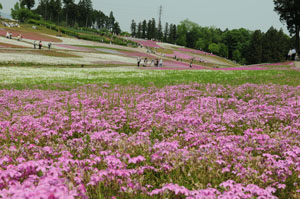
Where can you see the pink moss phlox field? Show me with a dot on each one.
(148, 43)
(180, 55)
(196, 51)
(185, 141)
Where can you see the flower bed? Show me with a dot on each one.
(180, 55)
(29, 35)
(147, 43)
(196, 51)
(185, 141)
(79, 48)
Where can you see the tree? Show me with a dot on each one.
(166, 32)
(272, 49)
(28, 3)
(116, 29)
(111, 20)
(67, 6)
(139, 30)
(223, 50)
(22, 14)
(288, 11)
(254, 55)
(149, 30)
(236, 55)
(144, 29)
(133, 28)
(214, 48)
(1, 6)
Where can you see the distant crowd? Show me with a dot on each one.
(146, 62)
(35, 44)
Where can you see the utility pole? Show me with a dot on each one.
(160, 13)
(159, 23)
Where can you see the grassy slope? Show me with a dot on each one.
(68, 78)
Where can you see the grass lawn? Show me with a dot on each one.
(67, 78)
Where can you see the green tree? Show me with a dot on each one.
(223, 50)
(201, 44)
(116, 28)
(149, 29)
(28, 3)
(214, 48)
(272, 50)
(288, 11)
(22, 14)
(166, 32)
(68, 7)
(236, 55)
(254, 55)
(144, 29)
(139, 30)
(133, 28)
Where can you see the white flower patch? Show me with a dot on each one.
(25, 74)
(94, 57)
(14, 42)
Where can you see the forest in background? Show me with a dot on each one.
(241, 45)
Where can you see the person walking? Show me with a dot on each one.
(40, 45)
(294, 54)
(138, 61)
(49, 45)
(289, 55)
(160, 62)
(34, 44)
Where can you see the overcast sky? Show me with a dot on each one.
(250, 14)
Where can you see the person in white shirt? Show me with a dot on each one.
(160, 63)
(294, 54)
(289, 57)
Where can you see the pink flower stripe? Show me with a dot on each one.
(137, 54)
(148, 43)
(196, 51)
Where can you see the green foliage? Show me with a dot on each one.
(289, 13)
(23, 14)
(255, 49)
(214, 48)
(28, 3)
(275, 46)
(236, 55)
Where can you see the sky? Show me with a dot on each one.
(249, 14)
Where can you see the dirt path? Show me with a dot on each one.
(297, 64)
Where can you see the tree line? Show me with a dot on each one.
(242, 45)
(149, 30)
(66, 13)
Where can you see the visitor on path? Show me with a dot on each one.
(34, 44)
(138, 61)
(19, 37)
(152, 62)
(160, 62)
(49, 45)
(10, 35)
(290, 53)
(40, 45)
(294, 54)
(156, 62)
(7, 35)
(192, 60)
(145, 62)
